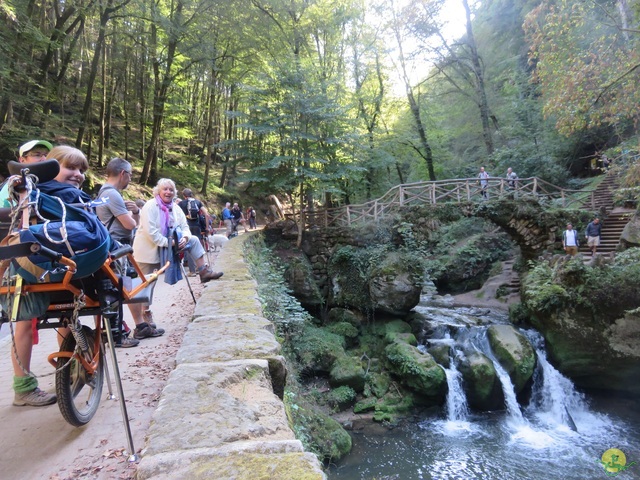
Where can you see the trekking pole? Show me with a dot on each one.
(184, 274)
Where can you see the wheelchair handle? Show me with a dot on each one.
(121, 252)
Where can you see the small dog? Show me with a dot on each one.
(216, 241)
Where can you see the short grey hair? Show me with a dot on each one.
(117, 165)
(163, 182)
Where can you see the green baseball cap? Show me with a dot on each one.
(27, 147)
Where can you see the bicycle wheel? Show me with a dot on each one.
(78, 392)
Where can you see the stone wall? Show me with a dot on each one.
(221, 415)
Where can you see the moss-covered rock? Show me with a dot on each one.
(318, 349)
(592, 326)
(393, 405)
(409, 338)
(319, 432)
(345, 330)
(299, 277)
(395, 283)
(480, 380)
(378, 384)
(347, 371)
(396, 326)
(440, 353)
(341, 398)
(348, 270)
(514, 352)
(365, 405)
(417, 370)
(339, 315)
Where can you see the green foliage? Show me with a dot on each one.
(341, 397)
(278, 305)
(586, 66)
(318, 432)
(607, 291)
(541, 293)
(317, 349)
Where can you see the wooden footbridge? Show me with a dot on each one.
(464, 190)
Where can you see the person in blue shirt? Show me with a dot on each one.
(594, 229)
(227, 218)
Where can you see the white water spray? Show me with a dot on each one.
(457, 409)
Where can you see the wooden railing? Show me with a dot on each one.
(446, 191)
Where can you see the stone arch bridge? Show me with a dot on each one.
(530, 210)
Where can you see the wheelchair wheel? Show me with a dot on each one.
(78, 392)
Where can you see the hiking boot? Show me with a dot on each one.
(147, 316)
(127, 342)
(144, 330)
(34, 398)
(207, 274)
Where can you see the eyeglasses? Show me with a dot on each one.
(37, 154)
(127, 172)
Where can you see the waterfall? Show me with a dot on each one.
(510, 400)
(554, 398)
(457, 409)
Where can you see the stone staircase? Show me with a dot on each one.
(613, 219)
(513, 284)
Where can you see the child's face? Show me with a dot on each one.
(71, 175)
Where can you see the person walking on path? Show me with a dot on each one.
(158, 216)
(483, 180)
(512, 177)
(592, 233)
(192, 209)
(251, 215)
(227, 218)
(25, 385)
(570, 240)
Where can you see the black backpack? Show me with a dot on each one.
(192, 209)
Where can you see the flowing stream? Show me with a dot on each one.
(560, 433)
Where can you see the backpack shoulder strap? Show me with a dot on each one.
(104, 187)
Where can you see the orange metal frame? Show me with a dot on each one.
(90, 365)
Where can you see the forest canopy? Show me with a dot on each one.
(330, 101)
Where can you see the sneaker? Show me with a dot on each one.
(127, 342)
(144, 330)
(34, 398)
(208, 274)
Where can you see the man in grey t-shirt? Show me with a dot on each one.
(120, 216)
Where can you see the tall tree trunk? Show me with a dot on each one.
(103, 107)
(105, 15)
(209, 136)
(479, 83)
(425, 152)
(162, 82)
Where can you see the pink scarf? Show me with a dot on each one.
(166, 217)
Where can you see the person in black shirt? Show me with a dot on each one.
(193, 209)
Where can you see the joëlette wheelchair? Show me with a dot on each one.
(62, 291)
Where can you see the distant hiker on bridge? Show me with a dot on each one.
(512, 177)
(483, 180)
(594, 229)
(570, 241)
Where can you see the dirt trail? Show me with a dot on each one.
(37, 443)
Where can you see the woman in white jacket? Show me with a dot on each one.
(156, 218)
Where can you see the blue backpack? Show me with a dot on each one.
(73, 231)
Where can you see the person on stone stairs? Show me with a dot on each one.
(570, 241)
(592, 234)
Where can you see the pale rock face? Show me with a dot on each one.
(631, 234)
